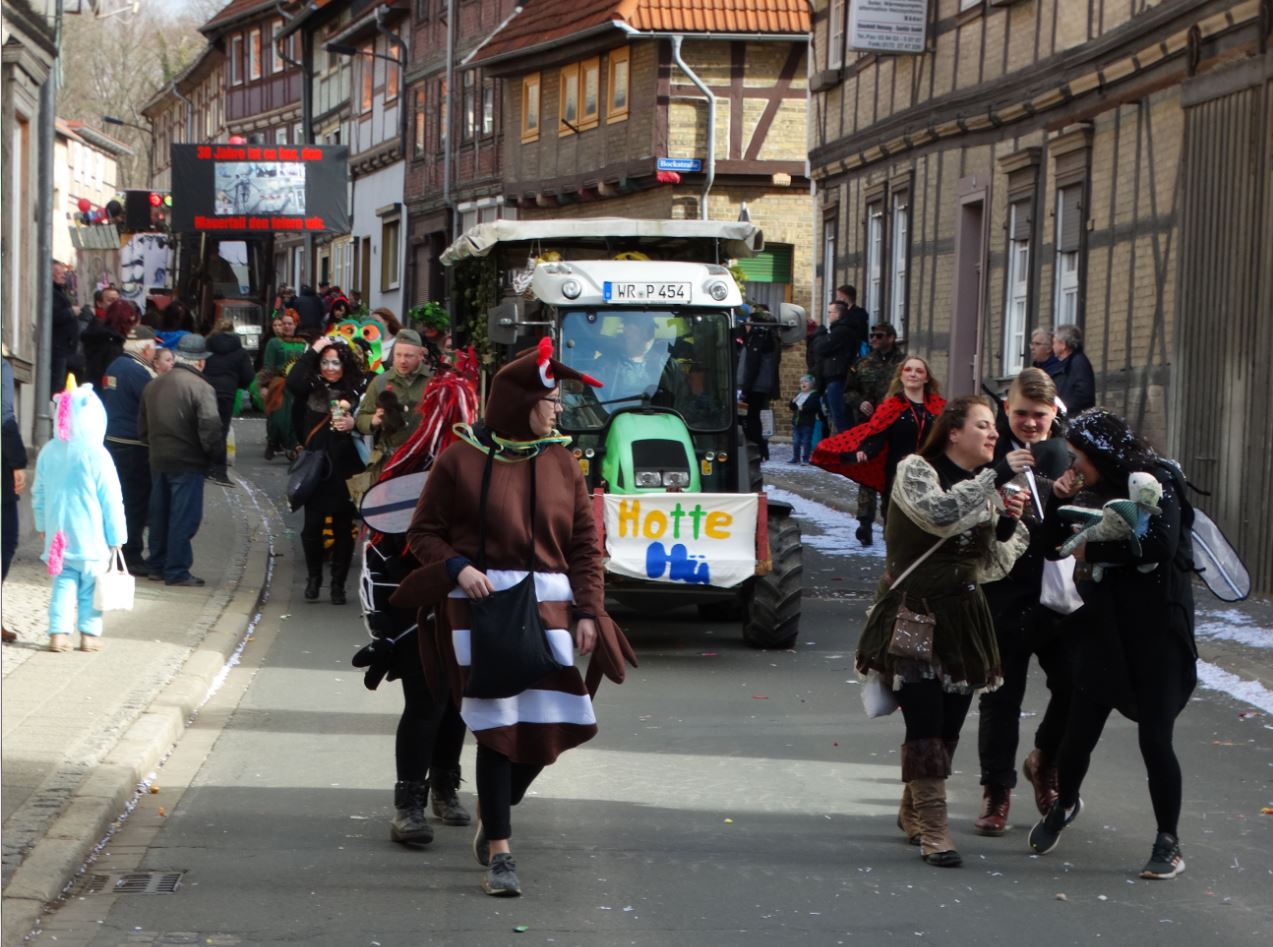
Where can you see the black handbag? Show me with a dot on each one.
(307, 471)
(507, 642)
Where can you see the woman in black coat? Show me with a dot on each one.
(326, 385)
(1134, 635)
(228, 369)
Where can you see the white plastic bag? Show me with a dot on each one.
(878, 700)
(231, 447)
(767, 422)
(115, 587)
(1059, 592)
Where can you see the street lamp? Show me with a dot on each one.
(150, 144)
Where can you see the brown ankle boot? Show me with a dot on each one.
(935, 845)
(995, 801)
(907, 820)
(1039, 772)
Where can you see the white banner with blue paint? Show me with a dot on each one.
(683, 538)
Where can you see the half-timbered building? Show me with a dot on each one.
(1105, 164)
(679, 109)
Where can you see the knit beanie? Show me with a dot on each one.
(521, 384)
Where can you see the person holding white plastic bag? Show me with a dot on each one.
(1024, 626)
(78, 510)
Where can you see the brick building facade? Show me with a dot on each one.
(1046, 162)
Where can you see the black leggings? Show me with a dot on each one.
(931, 712)
(1157, 711)
(501, 784)
(430, 732)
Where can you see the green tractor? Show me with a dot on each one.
(651, 310)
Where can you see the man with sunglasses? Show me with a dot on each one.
(867, 384)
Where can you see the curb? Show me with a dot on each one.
(104, 798)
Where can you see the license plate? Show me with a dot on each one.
(641, 292)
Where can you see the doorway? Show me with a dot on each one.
(964, 375)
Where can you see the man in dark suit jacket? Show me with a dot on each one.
(1075, 380)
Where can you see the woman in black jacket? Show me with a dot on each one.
(1135, 634)
(228, 369)
(326, 385)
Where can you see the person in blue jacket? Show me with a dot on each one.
(79, 514)
(125, 379)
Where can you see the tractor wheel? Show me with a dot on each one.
(772, 617)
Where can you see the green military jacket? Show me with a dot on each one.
(410, 389)
(869, 379)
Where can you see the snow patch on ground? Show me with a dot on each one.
(1250, 692)
(826, 530)
(1232, 625)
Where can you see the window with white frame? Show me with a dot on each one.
(276, 58)
(254, 54)
(488, 107)
(390, 230)
(236, 60)
(1016, 309)
(874, 259)
(835, 35)
(901, 257)
(1069, 233)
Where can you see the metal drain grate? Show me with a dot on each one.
(135, 882)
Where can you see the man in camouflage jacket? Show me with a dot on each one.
(867, 384)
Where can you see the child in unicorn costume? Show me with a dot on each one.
(79, 510)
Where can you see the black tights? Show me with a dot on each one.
(1157, 712)
(501, 784)
(931, 712)
(430, 732)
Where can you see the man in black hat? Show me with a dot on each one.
(180, 424)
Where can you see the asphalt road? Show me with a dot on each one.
(732, 797)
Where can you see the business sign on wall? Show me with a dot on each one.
(888, 26)
(260, 188)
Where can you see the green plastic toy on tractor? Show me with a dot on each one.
(651, 310)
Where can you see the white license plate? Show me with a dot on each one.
(641, 292)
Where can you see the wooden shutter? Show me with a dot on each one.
(1022, 220)
(1069, 202)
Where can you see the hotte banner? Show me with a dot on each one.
(688, 538)
(260, 188)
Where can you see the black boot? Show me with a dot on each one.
(313, 549)
(312, 585)
(446, 800)
(863, 532)
(409, 825)
(338, 584)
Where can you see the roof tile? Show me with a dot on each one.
(545, 21)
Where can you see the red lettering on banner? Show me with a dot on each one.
(271, 154)
(315, 223)
(286, 223)
(287, 154)
(311, 154)
(258, 223)
(220, 223)
(225, 153)
(254, 154)
(203, 152)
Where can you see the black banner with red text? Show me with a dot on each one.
(245, 189)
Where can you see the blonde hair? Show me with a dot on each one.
(931, 387)
(1034, 384)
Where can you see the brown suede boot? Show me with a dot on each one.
(1042, 776)
(935, 844)
(907, 820)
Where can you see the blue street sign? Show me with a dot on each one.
(680, 164)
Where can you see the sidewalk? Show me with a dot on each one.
(1235, 642)
(81, 730)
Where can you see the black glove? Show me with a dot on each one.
(377, 658)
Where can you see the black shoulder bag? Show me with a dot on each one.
(508, 643)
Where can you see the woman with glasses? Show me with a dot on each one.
(325, 385)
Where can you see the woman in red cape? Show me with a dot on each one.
(869, 453)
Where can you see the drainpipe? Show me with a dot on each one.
(710, 160)
(447, 202)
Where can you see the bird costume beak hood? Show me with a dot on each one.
(521, 384)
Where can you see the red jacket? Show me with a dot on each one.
(830, 450)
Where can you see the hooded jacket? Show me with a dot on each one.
(310, 308)
(76, 500)
(229, 368)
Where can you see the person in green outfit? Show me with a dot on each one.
(281, 353)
